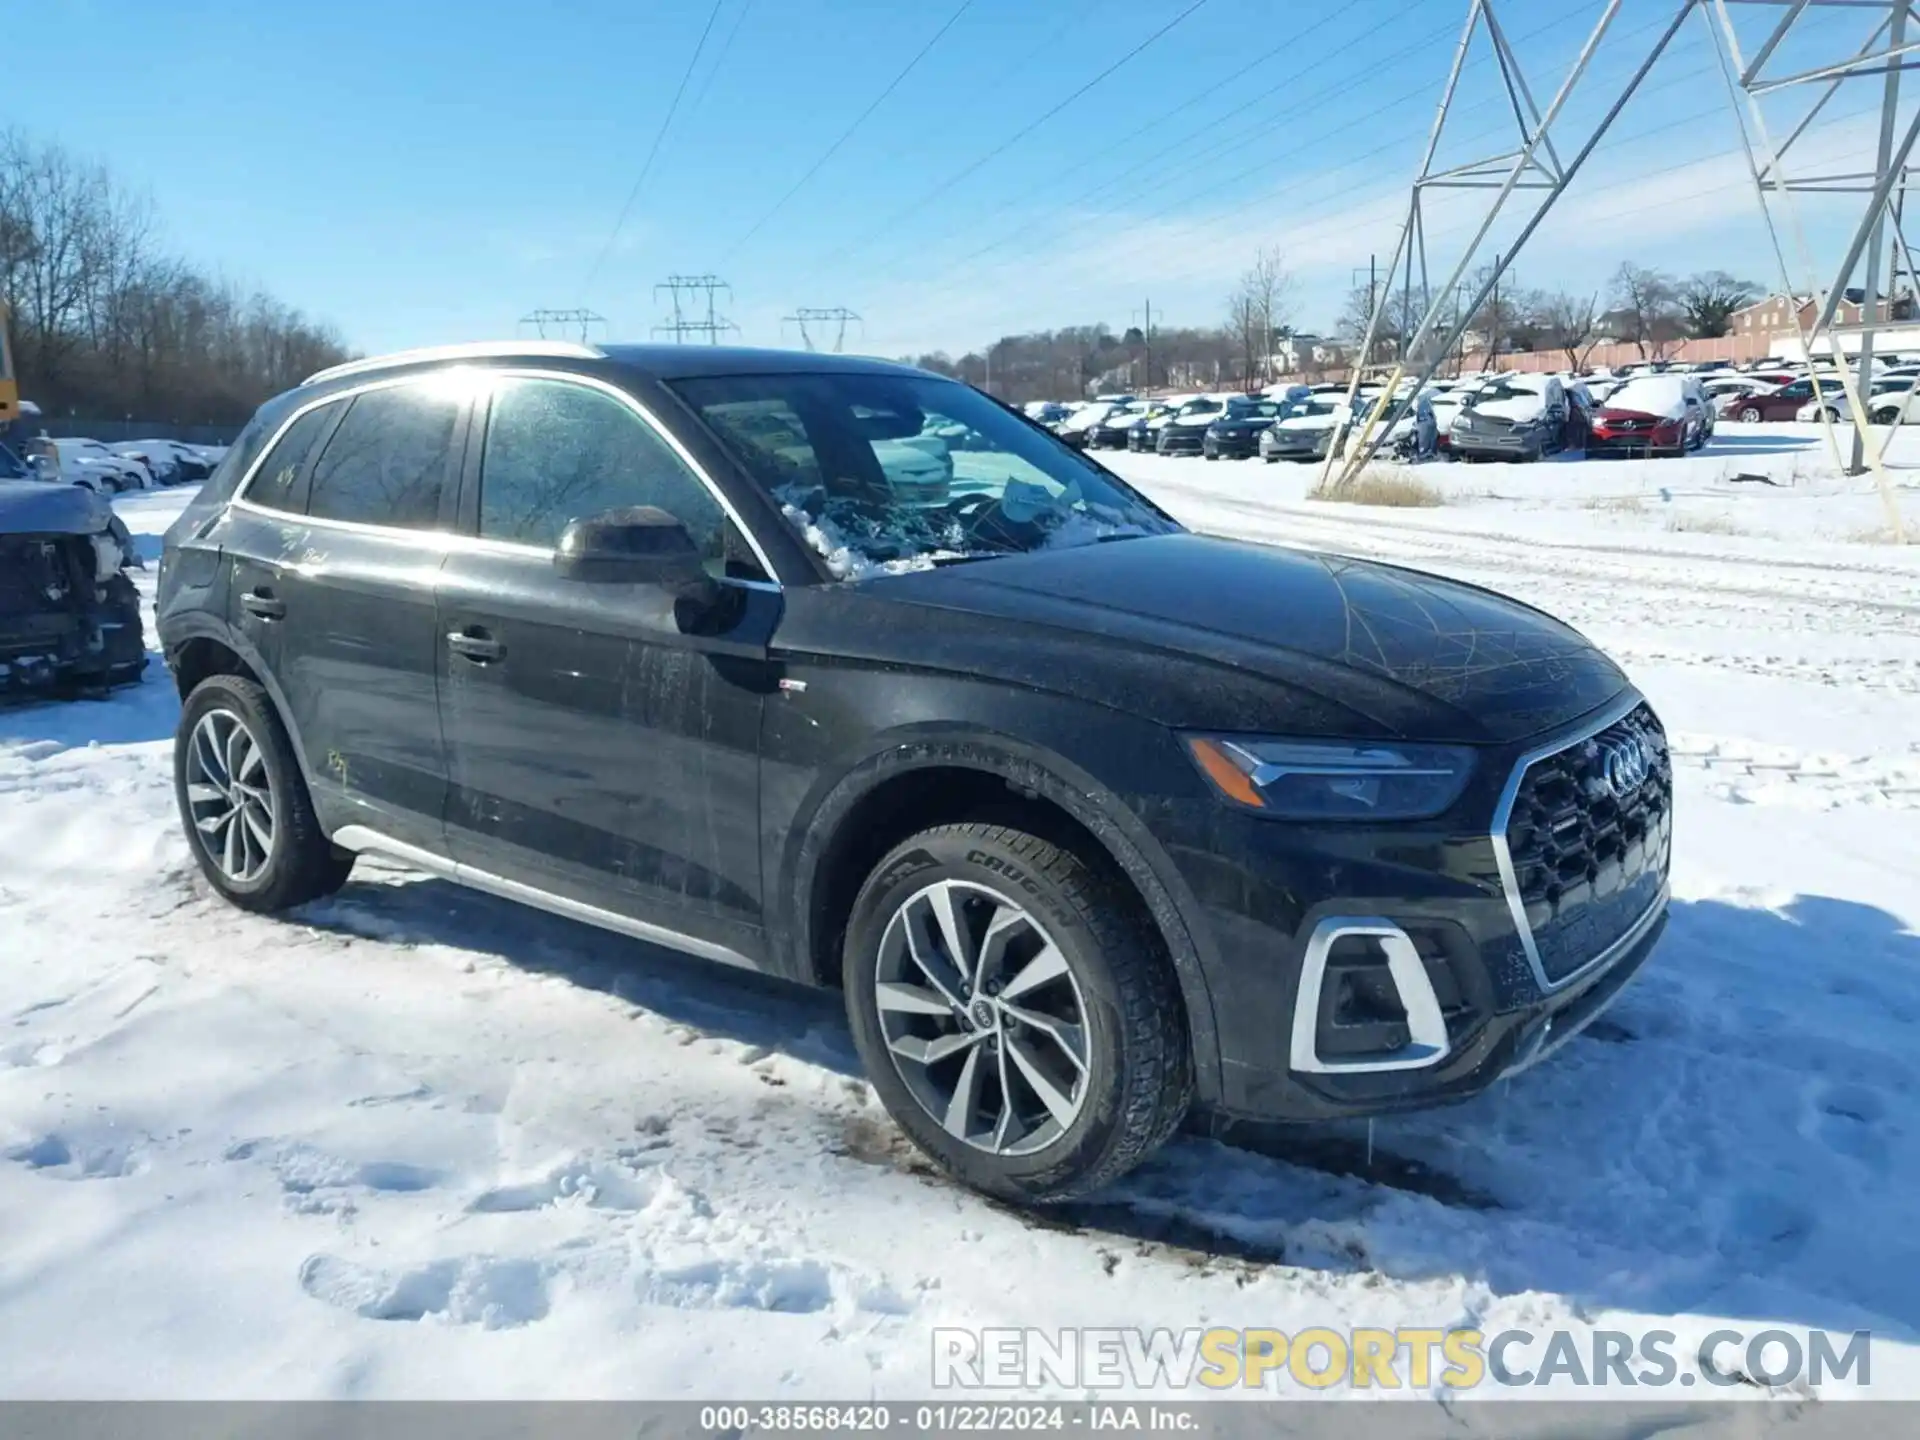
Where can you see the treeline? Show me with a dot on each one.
(107, 323)
(1651, 310)
(1084, 359)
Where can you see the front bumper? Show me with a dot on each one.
(1233, 446)
(1362, 970)
(1499, 446)
(1314, 449)
(1179, 442)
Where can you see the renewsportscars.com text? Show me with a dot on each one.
(1417, 1358)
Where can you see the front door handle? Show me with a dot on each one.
(475, 644)
(263, 602)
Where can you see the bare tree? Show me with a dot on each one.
(106, 324)
(1709, 299)
(1256, 310)
(1571, 324)
(1647, 303)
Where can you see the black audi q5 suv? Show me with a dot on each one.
(1091, 818)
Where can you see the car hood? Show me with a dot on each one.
(1308, 424)
(43, 507)
(1244, 422)
(1515, 410)
(1194, 619)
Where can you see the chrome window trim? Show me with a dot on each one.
(648, 418)
(1509, 879)
(1427, 1042)
(471, 350)
(447, 539)
(363, 840)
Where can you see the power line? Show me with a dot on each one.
(1050, 185)
(847, 134)
(1232, 141)
(1017, 136)
(654, 150)
(726, 47)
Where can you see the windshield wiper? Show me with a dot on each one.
(940, 561)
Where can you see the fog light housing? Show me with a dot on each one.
(1365, 1001)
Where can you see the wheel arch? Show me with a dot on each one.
(201, 646)
(924, 781)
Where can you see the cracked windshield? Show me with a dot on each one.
(881, 473)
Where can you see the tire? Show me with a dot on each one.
(1136, 1079)
(1886, 417)
(1750, 415)
(296, 863)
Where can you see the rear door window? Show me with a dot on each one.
(391, 460)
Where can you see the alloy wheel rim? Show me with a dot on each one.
(983, 1018)
(230, 797)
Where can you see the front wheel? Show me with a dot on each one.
(1014, 1012)
(1750, 415)
(244, 802)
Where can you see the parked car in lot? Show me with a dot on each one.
(1236, 434)
(1651, 414)
(69, 615)
(1145, 429)
(1781, 403)
(1184, 432)
(1307, 429)
(1077, 429)
(1110, 431)
(1886, 401)
(1513, 417)
(1448, 400)
(1415, 435)
(1089, 818)
(88, 464)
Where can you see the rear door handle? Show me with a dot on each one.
(263, 602)
(475, 644)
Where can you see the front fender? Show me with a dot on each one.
(1029, 770)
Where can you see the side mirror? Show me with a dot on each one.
(643, 545)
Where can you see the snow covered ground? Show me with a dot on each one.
(420, 1143)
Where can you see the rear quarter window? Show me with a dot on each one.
(275, 483)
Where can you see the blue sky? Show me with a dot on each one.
(421, 170)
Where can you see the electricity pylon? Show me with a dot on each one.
(541, 320)
(713, 326)
(836, 315)
(1548, 152)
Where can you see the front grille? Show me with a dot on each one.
(1589, 862)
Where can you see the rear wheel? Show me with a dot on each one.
(245, 804)
(1014, 1014)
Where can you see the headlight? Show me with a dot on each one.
(1327, 780)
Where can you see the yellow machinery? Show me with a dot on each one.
(9, 384)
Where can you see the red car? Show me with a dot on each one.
(1781, 404)
(1649, 415)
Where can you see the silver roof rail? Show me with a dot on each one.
(475, 350)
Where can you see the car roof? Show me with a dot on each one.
(657, 362)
